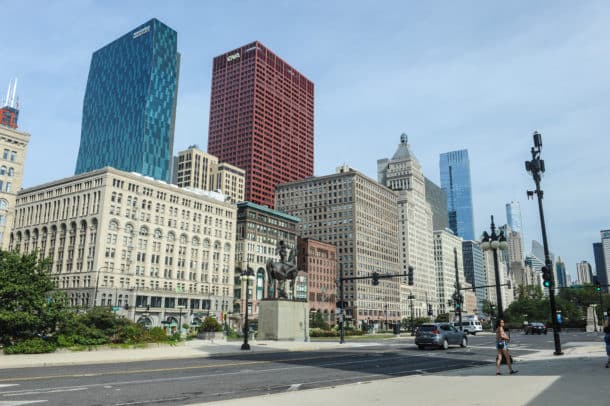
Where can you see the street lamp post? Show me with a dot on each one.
(180, 308)
(493, 242)
(97, 282)
(386, 317)
(536, 168)
(459, 298)
(411, 297)
(246, 276)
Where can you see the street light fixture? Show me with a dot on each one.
(494, 242)
(246, 276)
(536, 168)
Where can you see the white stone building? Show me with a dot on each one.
(152, 251)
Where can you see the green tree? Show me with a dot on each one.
(442, 318)
(29, 304)
(317, 321)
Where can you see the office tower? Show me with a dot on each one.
(357, 215)
(259, 231)
(600, 263)
(151, 250)
(130, 103)
(513, 216)
(200, 170)
(437, 199)
(261, 119)
(445, 242)
(9, 109)
(560, 272)
(474, 270)
(13, 146)
(403, 174)
(602, 259)
(515, 246)
(318, 260)
(455, 181)
(584, 273)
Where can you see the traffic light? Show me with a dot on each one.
(410, 276)
(509, 284)
(375, 278)
(598, 286)
(546, 277)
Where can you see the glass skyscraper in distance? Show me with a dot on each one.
(513, 217)
(130, 103)
(455, 181)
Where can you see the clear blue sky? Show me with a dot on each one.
(471, 74)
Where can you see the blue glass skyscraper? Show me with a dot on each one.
(455, 181)
(130, 103)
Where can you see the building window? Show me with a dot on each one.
(11, 171)
(5, 154)
(13, 155)
(8, 187)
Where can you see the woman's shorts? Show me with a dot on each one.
(502, 345)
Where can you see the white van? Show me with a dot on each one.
(470, 326)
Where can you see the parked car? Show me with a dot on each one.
(535, 328)
(440, 335)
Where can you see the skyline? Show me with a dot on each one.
(451, 77)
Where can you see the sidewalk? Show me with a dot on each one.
(577, 377)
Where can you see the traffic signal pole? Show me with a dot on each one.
(536, 167)
(375, 276)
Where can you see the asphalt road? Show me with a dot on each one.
(230, 375)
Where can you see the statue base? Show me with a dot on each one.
(283, 320)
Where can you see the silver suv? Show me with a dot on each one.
(439, 335)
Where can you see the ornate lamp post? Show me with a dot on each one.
(246, 276)
(493, 242)
(536, 168)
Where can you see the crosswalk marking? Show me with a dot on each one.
(6, 385)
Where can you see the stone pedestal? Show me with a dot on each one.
(591, 319)
(283, 320)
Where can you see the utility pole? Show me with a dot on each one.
(536, 168)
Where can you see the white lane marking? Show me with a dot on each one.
(294, 387)
(18, 403)
(6, 385)
(40, 391)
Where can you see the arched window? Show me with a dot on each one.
(2, 170)
(11, 171)
(3, 204)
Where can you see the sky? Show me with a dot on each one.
(473, 75)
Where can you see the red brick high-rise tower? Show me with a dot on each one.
(261, 119)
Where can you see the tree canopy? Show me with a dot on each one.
(29, 304)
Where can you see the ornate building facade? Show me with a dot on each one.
(151, 251)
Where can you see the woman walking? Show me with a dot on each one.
(502, 347)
